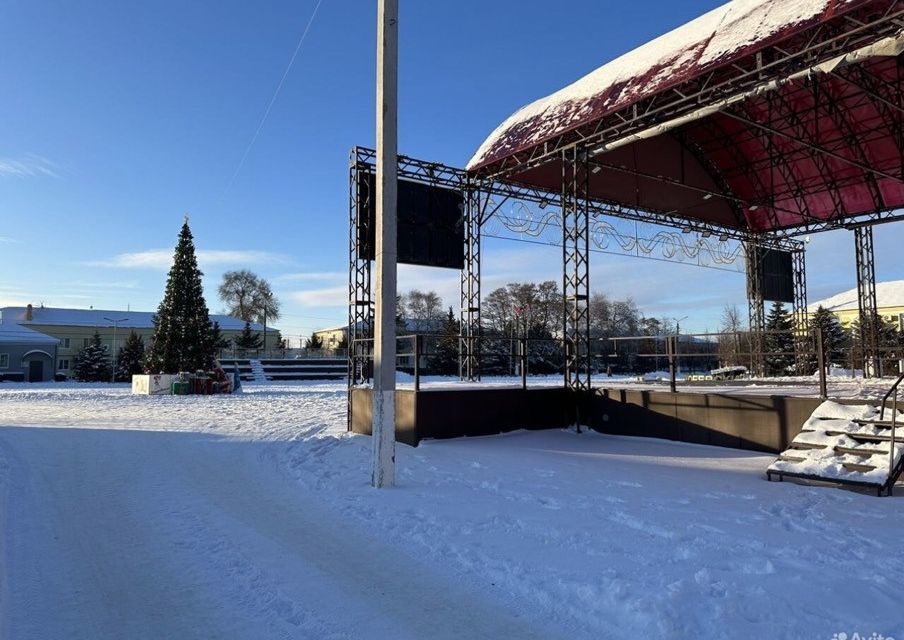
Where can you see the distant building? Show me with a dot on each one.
(73, 329)
(26, 355)
(335, 336)
(332, 338)
(889, 303)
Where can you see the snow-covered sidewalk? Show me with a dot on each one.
(251, 517)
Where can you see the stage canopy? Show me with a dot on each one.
(760, 115)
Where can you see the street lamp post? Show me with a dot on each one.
(115, 322)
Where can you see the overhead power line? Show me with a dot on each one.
(279, 87)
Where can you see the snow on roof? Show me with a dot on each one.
(888, 294)
(341, 327)
(11, 332)
(712, 39)
(51, 316)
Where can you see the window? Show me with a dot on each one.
(64, 365)
(86, 342)
(66, 344)
(4, 361)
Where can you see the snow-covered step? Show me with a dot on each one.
(850, 466)
(859, 450)
(306, 369)
(845, 444)
(243, 366)
(258, 370)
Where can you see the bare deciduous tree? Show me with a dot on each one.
(730, 343)
(422, 308)
(248, 297)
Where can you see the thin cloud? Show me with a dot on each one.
(28, 166)
(312, 276)
(11, 301)
(103, 285)
(162, 259)
(330, 297)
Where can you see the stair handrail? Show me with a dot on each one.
(894, 422)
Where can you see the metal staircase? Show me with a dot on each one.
(847, 444)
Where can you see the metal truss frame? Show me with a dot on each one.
(546, 228)
(469, 322)
(756, 313)
(802, 138)
(360, 298)
(361, 310)
(494, 194)
(484, 199)
(598, 207)
(801, 317)
(774, 63)
(576, 269)
(866, 300)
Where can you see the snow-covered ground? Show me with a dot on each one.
(252, 517)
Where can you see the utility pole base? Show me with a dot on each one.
(384, 440)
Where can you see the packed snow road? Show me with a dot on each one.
(252, 517)
(146, 534)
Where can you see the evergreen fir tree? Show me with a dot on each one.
(182, 339)
(343, 341)
(779, 341)
(835, 340)
(889, 340)
(314, 342)
(445, 360)
(496, 355)
(249, 339)
(217, 339)
(129, 361)
(92, 364)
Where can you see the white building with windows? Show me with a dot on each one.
(73, 329)
(26, 355)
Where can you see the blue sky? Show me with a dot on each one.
(118, 118)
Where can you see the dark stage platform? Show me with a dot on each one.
(757, 423)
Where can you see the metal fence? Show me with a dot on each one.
(783, 354)
(430, 354)
(686, 358)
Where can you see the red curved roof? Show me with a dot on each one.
(759, 115)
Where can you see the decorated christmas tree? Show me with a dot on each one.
(92, 364)
(183, 334)
(131, 358)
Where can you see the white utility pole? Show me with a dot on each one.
(387, 158)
